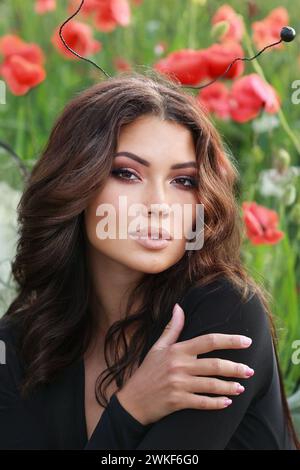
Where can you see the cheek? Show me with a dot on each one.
(184, 219)
(115, 200)
(107, 198)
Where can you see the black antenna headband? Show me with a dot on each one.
(287, 34)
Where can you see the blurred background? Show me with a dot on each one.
(256, 108)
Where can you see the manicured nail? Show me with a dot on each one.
(246, 341)
(240, 388)
(249, 372)
(227, 402)
(176, 308)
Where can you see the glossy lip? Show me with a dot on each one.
(158, 233)
(143, 237)
(151, 243)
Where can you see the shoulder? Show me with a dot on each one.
(220, 303)
(220, 308)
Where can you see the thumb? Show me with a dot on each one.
(172, 329)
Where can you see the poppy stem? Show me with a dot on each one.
(23, 168)
(283, 120)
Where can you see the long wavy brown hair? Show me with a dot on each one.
(52, 309)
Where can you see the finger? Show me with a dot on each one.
(172, 329)
(215, 386)
(203, 402)
(212, 341)
(219, 367)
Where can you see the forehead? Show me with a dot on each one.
(150, 137)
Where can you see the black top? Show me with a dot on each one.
(54, 417)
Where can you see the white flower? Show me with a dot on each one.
(8, 239)
(265, 123)
(273, 183)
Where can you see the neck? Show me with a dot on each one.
(112, 283)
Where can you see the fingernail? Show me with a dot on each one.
(240, 388)
(176, 307)
(246, 341)
(249, 372)
(227, 402)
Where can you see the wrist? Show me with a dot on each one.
(130, 404)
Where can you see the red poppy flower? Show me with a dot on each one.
(187, 65)
(78, 36)
(21, 75)
(108, 14)
(112, 13)
(261, 224)
(22, 68)
(268, 30)
(250, 94)
(236, 26)
(216, 99)
(11, 44)
(89, 6)
(218, 56)
(43, 6)
(191, 66)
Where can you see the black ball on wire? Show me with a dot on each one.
(287, 34)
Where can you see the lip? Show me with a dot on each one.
(143, 237)
(151, 243)
(152, 233)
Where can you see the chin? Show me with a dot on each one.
(152, 262)
(148, 265)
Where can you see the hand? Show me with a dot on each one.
(171, 374)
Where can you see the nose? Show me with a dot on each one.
(158, 209)
(156, 202)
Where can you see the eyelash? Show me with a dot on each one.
(116, 173)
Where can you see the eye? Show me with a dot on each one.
(125, 174)
(187, 182)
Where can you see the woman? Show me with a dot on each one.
(90, 306)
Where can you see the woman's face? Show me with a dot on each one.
(154, 185)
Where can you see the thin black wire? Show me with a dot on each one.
(184, 86)
(231, 64)
(71, 50)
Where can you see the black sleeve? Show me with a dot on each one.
(184, 429)
(218, 312)
(21, 429)
(213, 429)
(18, 428)
(117, 429)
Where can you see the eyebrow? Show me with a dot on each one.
(146, 163)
